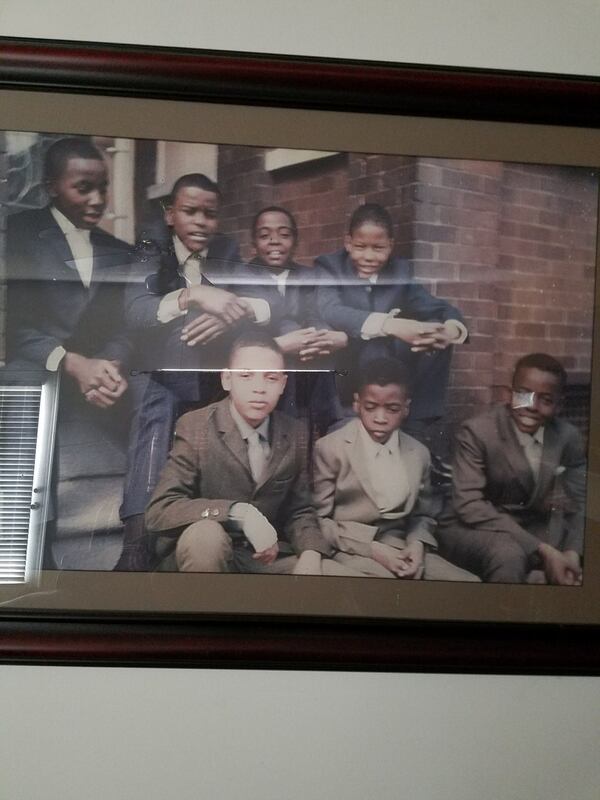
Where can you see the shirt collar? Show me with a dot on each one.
(392, 446)
(247, 430)
(181, 252)
(66, 225)
(525, 438)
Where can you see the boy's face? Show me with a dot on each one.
(80, 191)
(255, 381)
(535, 399)
(274, 239)
(193, 217)
(382, 409)
(369, 248)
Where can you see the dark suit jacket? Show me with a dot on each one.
(494, 488)
(295, 310)
(154, 274)
(208, 471)
(48, 306)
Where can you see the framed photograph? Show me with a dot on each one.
(299, 363)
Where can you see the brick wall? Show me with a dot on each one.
(513, 246)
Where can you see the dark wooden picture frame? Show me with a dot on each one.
(294, 642)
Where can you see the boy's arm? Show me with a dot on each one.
(302, 525)
(422, 521)
(175, 503)
(324, 480)
(421, 305)
(573, 482)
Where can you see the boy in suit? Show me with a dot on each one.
(183, 316)
(65, 304)
(372, 489)
(65, 313)
(371, 295)
(519, 475)
(232, 496)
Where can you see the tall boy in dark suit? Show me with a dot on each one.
(65, 313)
(518, 500)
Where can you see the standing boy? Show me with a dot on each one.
(518, 499)
(371, 295)
(372, 488)
(65, 313)
(65, 277)
(233, 494)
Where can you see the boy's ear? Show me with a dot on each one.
(226, 380)
(168, 213)
(355, 402)
(50, 189)
(348, 242)
(283, 382)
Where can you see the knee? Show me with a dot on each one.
(505, 562)
(203, 547)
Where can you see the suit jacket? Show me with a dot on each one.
(48, 306)
(344, 494)
(295, 310)
(154, 274)
(208, 471)
(494, 487)
(345, 300)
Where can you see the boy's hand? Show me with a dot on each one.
(267, 556)
(218, 302)
(309, 563)
(421, 335)
(296, 342)
(99, 380)
(562, 569)
(406, 563)
(203, 329)
(325, 342)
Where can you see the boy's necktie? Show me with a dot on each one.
(256, 455)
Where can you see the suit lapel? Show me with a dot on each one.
(551, 451)
(513, 452)
(357, 458)
(280, 447)
(231, 436)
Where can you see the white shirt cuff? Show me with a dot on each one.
(54, 359)
(168, 308)
(463, 332)
(260, 308)
(373, 325)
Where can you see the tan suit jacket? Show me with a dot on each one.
(208, 471)
(345, 500)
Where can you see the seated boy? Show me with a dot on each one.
(182, 316)
(232, 496)
(372, 488)
(519, 485)
(370, 294)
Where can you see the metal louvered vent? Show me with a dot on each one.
(27, 420)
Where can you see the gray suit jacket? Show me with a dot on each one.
(494, 488)
(344, 495)
(208, 471)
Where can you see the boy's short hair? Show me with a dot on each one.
(254, 338)
(196, 180)
(275, 210)
(382, 372)
(59, 153)
(545, 363)
(371, 213)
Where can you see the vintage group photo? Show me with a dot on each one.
(281, 361)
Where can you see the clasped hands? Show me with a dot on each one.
(220, 309)
(100, 380)
(310, 343)
(422, 336)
